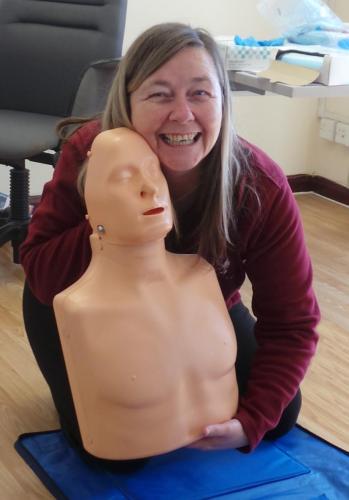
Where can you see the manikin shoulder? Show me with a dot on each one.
(74, 297)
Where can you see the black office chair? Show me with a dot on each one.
(57, 58)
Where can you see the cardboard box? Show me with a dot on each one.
(243, 57)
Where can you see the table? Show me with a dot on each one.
(244, 81)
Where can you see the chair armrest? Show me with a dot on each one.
(105, 63)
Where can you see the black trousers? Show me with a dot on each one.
(247, 346)
(40, 325)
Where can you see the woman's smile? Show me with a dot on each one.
(180, 139)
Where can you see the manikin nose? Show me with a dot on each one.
(149, 188)
(181, 111)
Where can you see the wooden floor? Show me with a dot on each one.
(25, 404)
(326, 388)
(325, 409)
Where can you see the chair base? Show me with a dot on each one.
(14, 231)
(14, 220)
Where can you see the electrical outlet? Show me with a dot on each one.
(327, 129)
(342, 133)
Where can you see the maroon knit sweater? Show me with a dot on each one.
(271, 252)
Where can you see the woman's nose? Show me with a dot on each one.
(181, 111)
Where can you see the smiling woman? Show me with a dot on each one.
(234, 208)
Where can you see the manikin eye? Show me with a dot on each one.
(121, 174)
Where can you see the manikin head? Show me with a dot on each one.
(126, 193)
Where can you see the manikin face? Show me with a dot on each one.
(125, 190)
(178, 110)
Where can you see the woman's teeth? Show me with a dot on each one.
(180, 139)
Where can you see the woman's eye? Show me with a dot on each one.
(201, 93)
(158, 96)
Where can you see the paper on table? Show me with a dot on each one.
(289, 73)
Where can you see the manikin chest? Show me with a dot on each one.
(138, 353)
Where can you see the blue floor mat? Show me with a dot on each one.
(297, 466)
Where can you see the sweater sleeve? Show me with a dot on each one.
(57, 251)
(279, 268)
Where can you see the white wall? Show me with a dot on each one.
(282, 126)
(329, 159)
(220, 17)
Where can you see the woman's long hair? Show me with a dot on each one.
(226, 163)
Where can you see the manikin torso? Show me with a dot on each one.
(147, 340)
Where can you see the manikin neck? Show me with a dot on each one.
(133, 263)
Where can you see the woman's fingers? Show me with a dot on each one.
(222, 436)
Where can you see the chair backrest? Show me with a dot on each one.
(45, 47)
(94, 88)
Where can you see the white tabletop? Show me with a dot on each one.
(241, 81)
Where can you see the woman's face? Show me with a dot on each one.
(178, 110)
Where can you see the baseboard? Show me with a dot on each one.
(319, 185)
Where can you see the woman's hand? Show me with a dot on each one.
(230, 434)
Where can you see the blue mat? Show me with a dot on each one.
(297, 466)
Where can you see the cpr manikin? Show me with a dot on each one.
(147, 340)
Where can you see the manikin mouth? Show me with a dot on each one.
(180, 139)
(154, 211)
